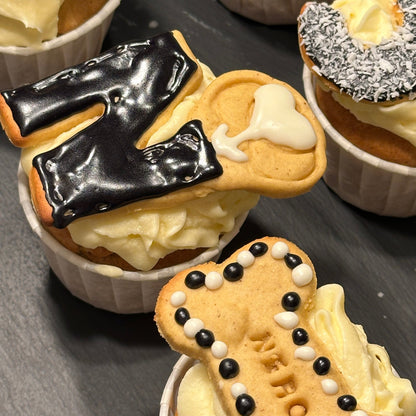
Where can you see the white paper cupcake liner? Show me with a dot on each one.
(170, 392)
(22, 65)
(359, 178)
(125, 292)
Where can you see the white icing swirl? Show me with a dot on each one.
(274, 118)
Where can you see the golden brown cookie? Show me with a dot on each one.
(246, 320)
(367, 72)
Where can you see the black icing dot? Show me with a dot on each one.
(347, 402)
(233, 272)
(195, 279)
(258, 249)
(291, 301)
(245, 404)
(181, 316)
(292, 260)
(321, 366)
(229, 368)
(205, 338)
(300, 336)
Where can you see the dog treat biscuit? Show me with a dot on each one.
(247, 321)
(132, 94)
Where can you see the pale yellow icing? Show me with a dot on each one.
(370, 21)
(366, 367)
(142, 237)
(398, 118)
(196, 395)
(28, 22)
(274, 118)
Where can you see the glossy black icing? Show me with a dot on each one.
(100, 168)
(245, 404)
(204, 338)
(292, 260)
(291, 301)
(258, 249)
(182, 316)
(233, 272)
(347, 402)
(195, 279)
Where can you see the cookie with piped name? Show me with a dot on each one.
(247, 320)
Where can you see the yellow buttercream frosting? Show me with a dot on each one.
(366, 367)
(143, 237)
(368, 20)
(28, 22)
(397, 118)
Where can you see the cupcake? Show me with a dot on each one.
(61, 33)
(268, 12)
(359, 80)
(126, 178)
(259, 338)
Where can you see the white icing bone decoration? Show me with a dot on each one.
(274, 118)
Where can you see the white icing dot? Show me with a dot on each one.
(329, 386)
(279, 250)
(213, 280)
(178, 298)
(305, 353)
(237, 389)
(287, 320)
(245, 258)
(192, 326)
(359, 413)
(219, 349)
(302, 275)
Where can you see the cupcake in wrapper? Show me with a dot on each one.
(358, 83)
(156, 172)
(109, 287)
(359, 178)
(25, 64)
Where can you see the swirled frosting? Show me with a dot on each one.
(368, 20)
(29, 22)
(397, 118)
(366, 367)
(142, 237)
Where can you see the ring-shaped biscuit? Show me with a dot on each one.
(377, 73)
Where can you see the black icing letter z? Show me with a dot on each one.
(99, 168)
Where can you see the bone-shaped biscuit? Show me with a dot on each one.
(133, 90)
(246, 320)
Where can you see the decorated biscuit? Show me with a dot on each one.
(379, 72)
(247, 132)
(247, 321)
